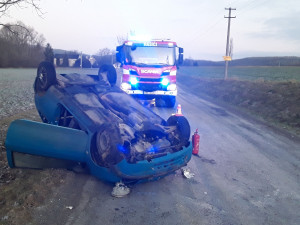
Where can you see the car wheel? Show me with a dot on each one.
(46, 76)
(183, 130)
(108, 73)
(108, 141)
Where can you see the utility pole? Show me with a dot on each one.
(227, 57)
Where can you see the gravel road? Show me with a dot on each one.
(246, 173)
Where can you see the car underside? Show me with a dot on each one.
(118, 128)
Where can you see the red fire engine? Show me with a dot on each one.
(149, 70)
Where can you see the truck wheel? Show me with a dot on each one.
(108, 73)
(46, 76)
(165, 101)
(183, 130)
(170, 101)
(159, 102)
(107, 141)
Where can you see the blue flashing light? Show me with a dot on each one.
(122, 149)
(152, 150)
(139, 38)
(133, 81)
(165, 82)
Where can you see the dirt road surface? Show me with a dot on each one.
(246, 173)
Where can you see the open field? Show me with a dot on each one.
(16, 89)
(284, 73)
(268, 93)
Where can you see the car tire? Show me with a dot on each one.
(46, 76)
(108, 73)
(183, 129)
(107, 142)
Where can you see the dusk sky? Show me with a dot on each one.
(261, 27)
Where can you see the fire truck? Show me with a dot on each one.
(149, 69)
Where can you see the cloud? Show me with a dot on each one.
(287, 28)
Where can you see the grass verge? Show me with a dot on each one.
(276, 102)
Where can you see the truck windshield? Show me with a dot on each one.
(150, 55)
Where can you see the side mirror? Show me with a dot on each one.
(119, 53)
(180, 59)
(118, 57)
(119, 48)
(180, 56)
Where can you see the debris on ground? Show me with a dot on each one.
(120, 190)
(205, 160)
(187, 173)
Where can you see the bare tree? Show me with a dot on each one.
(6, 4)
(48, 53)
(21, 34)
(121, 39)
(105, 56)
(20, 46)
(104, 51)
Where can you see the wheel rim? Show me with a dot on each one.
(104, 75)
(103, 146)
(104, 142)
(42, 78)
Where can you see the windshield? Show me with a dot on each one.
(150, 55)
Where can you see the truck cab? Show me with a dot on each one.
(149, 70)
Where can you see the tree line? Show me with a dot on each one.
(250, 61)
(20, 46)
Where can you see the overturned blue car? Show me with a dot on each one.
(89, 121)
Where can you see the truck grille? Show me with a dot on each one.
(149, 87)
(158, 80)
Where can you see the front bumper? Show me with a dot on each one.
(140, 92)
(144, 170)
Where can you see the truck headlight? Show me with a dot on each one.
(164, 81)
(133, 80)
(125, 86)
(171, 87)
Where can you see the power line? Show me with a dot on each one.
(203, 32)
(251, 5)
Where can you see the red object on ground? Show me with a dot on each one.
(196, 142)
